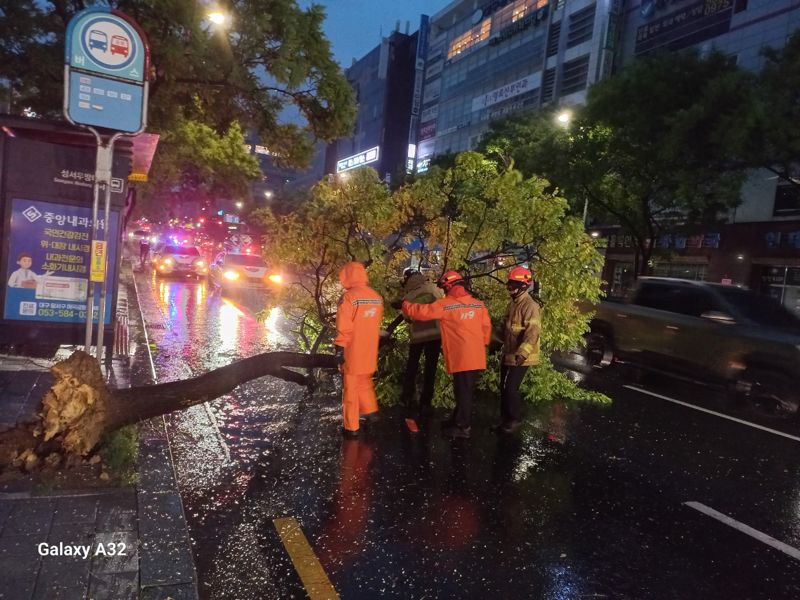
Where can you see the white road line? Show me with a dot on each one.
(754, 533)
(713, 412)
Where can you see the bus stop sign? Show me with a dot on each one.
(107, 61)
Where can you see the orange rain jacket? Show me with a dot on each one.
(358, 321)
(465, 325)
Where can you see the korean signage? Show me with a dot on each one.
(684, 27)
(433, 89)
(357, 160)
(782, 239)
(419, 68)
(668, 240)
(107, 62)
(427, 130)
(50, 260)
(429, 114)
(515, 88)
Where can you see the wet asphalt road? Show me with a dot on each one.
(587, 502)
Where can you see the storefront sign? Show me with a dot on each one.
(358, 160)
(782, 239)
(427, 130)
(511, 90)
(49, 260)
(429, 114)
(682, 28)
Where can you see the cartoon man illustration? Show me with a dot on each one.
(24, 277)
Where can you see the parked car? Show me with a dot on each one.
(179, 260)
(233, 271)
(703, 331)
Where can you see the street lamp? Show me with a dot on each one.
(564, 117)
(268, 194)
(218, 17)
(239, 204)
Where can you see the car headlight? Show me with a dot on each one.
(167, 261)
(200, 263)
(154, 239)
(232, 275)
(276, 278)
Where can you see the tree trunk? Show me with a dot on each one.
(79, 408)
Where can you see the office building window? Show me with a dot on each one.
(548, 85)
(787, 201)
(574, 75)
(469, 38)
(552, 39)
(581, 26)
(516, 11)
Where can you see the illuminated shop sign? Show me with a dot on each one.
(427, 131)
(511, 90)
(690, 25)
(358, 160)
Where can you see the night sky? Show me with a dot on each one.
(354, 26)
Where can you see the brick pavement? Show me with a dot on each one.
(147, 518)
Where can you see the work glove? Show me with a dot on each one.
(396, 304)
(519, 360)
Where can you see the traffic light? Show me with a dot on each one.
(220, 212)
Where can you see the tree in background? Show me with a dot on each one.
(476, 216)
(775, 141)
(198, 164)
(271, 56)
(651, 150)
(345, 219)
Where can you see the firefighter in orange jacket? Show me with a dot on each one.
(358, 321)
(466, 331)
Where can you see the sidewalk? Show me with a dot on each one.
(148, 518)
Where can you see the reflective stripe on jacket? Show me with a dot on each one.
(358, 321)
(420, 290)
(465, 326)
(521, 331)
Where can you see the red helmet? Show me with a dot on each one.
(449, 279)
(520, 275)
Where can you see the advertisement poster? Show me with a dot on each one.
(49, 261)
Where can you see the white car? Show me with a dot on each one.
(179, 260)
(235, 271)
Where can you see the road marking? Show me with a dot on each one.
(713, 412)
(754, 533)
(313, 576)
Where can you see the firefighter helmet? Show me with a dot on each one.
(520, 275)
(449, 279)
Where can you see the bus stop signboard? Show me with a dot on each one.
(107, 61)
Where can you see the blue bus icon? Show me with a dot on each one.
(98, 39)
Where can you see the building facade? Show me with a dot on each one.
(758, 244)
(383, 82)
(491, 58)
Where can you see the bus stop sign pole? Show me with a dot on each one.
(106, 67)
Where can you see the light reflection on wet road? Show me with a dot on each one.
(586, 503)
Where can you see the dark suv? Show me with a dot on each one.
(704, 331)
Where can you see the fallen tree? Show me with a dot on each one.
(79, 408)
